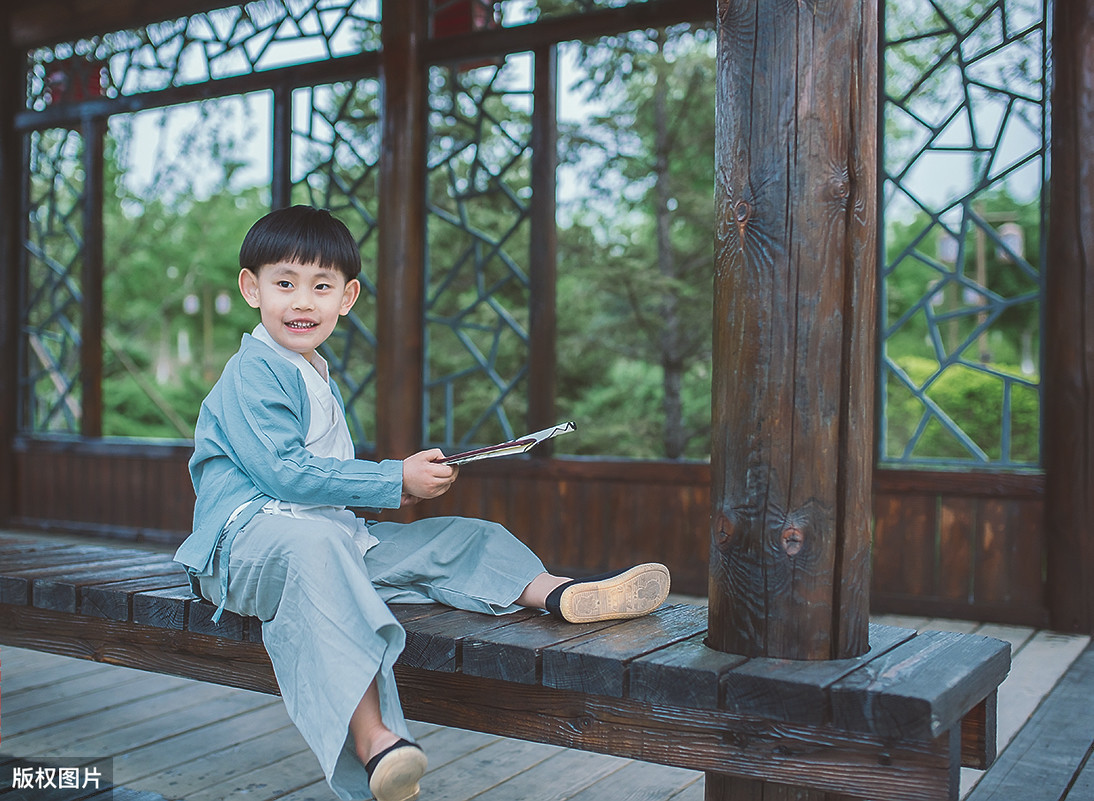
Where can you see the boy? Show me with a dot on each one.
(274, 470)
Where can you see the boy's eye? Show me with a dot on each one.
(322, 286)
(285, 284)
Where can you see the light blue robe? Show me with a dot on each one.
(326, 625)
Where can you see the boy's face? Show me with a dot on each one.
(299, 303)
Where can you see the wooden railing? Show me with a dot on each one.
(948, 544)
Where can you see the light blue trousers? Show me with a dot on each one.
(326, 625)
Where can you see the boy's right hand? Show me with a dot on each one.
(425, 477)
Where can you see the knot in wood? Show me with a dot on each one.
(793, 540)
(742, 211)
(723, 532)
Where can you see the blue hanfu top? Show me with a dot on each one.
(249, 449)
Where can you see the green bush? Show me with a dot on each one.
(974, 401)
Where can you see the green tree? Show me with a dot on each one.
(636, 252)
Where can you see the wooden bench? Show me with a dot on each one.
(896, 723)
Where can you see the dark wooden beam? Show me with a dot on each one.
(1068, 395)
(543, 242)
(12, 178)
(565, 28)
(281, 146)
(792, 444)
(400, 280)
(40, 22)
(91, 281)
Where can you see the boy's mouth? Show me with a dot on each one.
(301, 325)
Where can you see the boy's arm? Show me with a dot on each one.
(268, 438)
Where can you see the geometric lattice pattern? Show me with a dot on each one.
(477, 292)
(964, 160)
(49, 374)
(237, 40)
(335, 165)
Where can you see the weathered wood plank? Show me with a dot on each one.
(432, 642)
(820, 757)
(211, 659)
(1035, 670)
(597, 662)
(798, 690)
(1047, 753)
(16, 584)
(165, 609)
(687, 673)
(62, 593)
(513, 654)
(114, 599)
(922, 687)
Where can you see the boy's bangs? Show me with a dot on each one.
(301, 235)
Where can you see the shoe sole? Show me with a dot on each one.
(396, 777)
(632, 593)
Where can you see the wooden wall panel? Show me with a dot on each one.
(943, 545)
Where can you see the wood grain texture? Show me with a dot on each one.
(1068, 437)
(792, 445)
(817, 757)
(1045, 757)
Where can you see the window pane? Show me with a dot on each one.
(335, 165)
(187, 182)
(477, 297)
(636, 117)
(49, 392)
(964, 159)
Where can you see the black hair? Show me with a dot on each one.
(301, 235)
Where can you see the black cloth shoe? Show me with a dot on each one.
(393, 774)
(631, 592)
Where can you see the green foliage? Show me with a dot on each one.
(971, 399)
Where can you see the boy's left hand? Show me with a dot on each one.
(424, 476)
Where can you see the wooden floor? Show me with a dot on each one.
(177, 739)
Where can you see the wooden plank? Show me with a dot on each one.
(798, 690)
(114, 600)
(90, 693)
(62, 593)
(820, 757)
(687, 673)
(203, 657)
(597, 662)
(1047, 753)
(15, 585)
(629, 780)
(432, 642)
(1035, 669)
(957, 533)
(979, 743)
(513, 653)
(567, 775)
(921, 688)
(158, 756)
(163, 609)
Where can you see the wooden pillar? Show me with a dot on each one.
(794, 373)
(1068, 413)
(91, 281)
(401, 246)
(544, 243)
(11, 179)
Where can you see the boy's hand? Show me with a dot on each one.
(425, 477)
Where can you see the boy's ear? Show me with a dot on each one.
(248, 287)
(349, 296)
